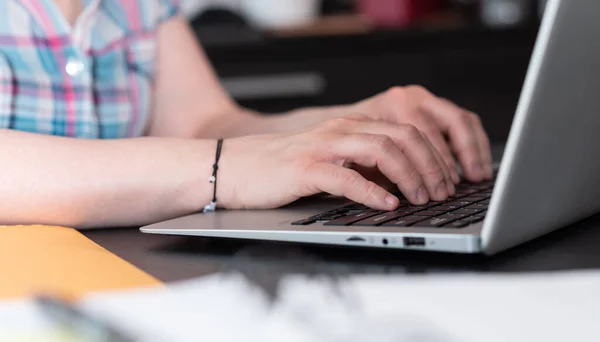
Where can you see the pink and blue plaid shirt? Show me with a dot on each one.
(92, 80)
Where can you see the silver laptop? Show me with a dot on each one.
(549, 177)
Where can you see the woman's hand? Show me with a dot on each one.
(269, 171)
(438, 119)
(448, 127)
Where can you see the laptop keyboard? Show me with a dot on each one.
(469, 205)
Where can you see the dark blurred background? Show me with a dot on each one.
(276, 55)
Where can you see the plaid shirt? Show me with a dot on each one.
(92, 80)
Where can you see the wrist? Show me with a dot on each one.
(214, 178)
(228, 177)
(195, 188)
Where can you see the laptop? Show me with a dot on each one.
(549, 176)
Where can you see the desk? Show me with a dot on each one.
(172, 258)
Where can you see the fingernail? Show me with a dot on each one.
(422, 195)
(442, 190)
(391, 200)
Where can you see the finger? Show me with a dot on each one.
(432, 131)
(370, 150)
(440, 144)
(341, 181)
(458, 125)
(438, 156)
(373, 174)
(484, 146)
(410, 142)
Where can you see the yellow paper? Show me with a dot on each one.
(36, 259)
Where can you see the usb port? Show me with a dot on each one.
(414, 242)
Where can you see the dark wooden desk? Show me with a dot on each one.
(171, 258)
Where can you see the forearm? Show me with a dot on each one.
(247, 122)
(189, 100)
(95, 183)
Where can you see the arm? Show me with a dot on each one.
(190, 102)
(131, 182)
(87, 183)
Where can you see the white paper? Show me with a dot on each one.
(535, 307)
(440, 308)
(22, 321)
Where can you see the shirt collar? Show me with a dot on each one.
(51, 19)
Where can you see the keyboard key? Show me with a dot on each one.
(402, 206)
(337, 211)
(403, 201)
(473, 219)
(434, 222)
(356, 206)
(446, 218)
(460, 203)
(328, 217)
(457, 224)
(407, 211)
(437, 204)
(468, 211)
(417, 207)
(444, 208)
(404, 222)
(472, 199)
(454, 216)
(479, 207)
(456, 196)
(349, 219)
(477, 186)
(428, 213)
(419, 215)
(479, 195)
(379, 219)
(304, 222)
(466, 192)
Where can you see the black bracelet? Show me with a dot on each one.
(212, 206)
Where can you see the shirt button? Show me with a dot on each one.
(74, 67)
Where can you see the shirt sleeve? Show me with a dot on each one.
(168, 9)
